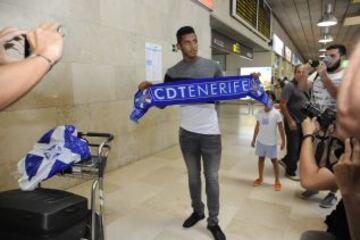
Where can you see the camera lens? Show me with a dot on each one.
(315, 63)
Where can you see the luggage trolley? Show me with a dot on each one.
(94, 168)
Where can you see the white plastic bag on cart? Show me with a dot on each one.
(54, 152)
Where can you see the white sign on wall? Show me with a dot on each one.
(288, 54)
(278, 45)
(296, 60)
(153, 62)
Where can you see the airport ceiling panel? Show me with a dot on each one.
(299, 19)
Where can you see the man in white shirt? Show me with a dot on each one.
(328, 78)
(324, 89)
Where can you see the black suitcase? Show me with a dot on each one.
(75, 232)
(42, 211)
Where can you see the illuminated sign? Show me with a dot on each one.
(207, 3)
(236, 48)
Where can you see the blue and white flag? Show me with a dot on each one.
(200, 90)
(54, 152)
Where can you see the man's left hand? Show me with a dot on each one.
(256, 75)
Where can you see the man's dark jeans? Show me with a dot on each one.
(293, 146)
(194, 147)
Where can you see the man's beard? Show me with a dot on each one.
(335, 67)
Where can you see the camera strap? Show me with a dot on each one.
(310, 92)
(334, 152)
(320, 148)
(322, 140)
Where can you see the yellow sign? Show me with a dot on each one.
(236, 48)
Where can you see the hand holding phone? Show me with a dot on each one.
(47, 41)
(12, 42)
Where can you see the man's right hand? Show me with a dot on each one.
(47, 41)
(322, 70)
(144, 85)
(292, 125)
(347, 170)
(310, 126)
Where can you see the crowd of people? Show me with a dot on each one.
(321, 126)
(326, 150)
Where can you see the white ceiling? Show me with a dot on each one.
(299, 18)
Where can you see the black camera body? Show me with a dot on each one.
(315, 63)
(27, 48)
(324, 118)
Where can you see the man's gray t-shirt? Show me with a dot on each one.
(295, 101)
(198, 118)
(200, 68)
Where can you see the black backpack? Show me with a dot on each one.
(337, 223)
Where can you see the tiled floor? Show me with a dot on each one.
(149, 200)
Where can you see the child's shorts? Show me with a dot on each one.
(263, 150)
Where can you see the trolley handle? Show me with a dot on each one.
(109, 136)
(98, 145)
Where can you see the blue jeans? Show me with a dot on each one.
(194, 147)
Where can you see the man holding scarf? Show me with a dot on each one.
(199, 133)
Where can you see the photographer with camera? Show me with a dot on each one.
(292, 100)
(324, 84)
(345, 218)
(18, 75)
(315, 177)
(329, 74)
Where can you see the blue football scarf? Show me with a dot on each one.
(56, 151)
(201, 90)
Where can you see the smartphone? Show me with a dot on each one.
(27, 48)
(18, 48)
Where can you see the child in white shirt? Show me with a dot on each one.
(265, 140)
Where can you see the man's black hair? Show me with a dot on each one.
(340, 47)
(182, 31)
